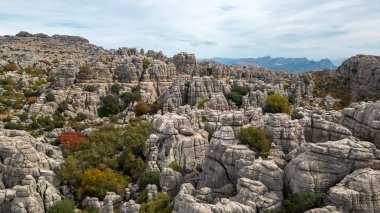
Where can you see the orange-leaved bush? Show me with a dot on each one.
(71, 139)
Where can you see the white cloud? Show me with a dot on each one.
(241, 28)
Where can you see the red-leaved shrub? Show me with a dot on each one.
(70, 139)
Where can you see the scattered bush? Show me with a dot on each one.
(297, 116)
(13, 125)
(97, 183)
(175, 166)
(110, 106)
(256, 139)
(301, 202)
(236, 95)
(160, 203)
(115, 88)
(31, 93)
(201, 103)
(50, 97)
(90, 88)
(80, 116)
(86, 70)
(31, 100)
(149, 178)
(63, 106)
(142, 108)
(146, 63)
(62, 206)
(71, 139)
(133, 96)
(10, 67)
(23, 116)
(277, 104)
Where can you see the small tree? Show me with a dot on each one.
(110, 106)
(160, 203)
(50, 97)
(71, 139)
(80, 116)
(142, 108)
(97, 183)
(115, 88)
(90, 88)
(256, 139)
(277, 104)
(149, 178)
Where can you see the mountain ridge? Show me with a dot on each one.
(294, 65)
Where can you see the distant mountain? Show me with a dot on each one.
(295, 65)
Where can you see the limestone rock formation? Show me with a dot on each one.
(186, 63)
(170, 181)
(357, 192)
(224, 159)
(364, 74)
(317, 167)
(27, 198)
(364, 121)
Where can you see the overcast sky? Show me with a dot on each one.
(314, 29)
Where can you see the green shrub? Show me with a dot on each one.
(149, 178)
(62, 206)
(50, 97)
(160, 203)
(204, 118)
(23, 116)
(201, 103)
(86, 70)
(132, 165)
(129, 97)
(256, 139)
(277, 104)
(175, 166)
(91, 209)
(31, 93)
(80, 116)
(63, 106)
(115, 88)
(12, 125)
(236, 95)
(90, 88)
(146, 63)
(297, 116)
(110, 106)
(301, 202)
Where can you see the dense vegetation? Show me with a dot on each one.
(277, 104)
(236, 95)
(256, 139)
(93, 167)
(301, 202)
(63, 206)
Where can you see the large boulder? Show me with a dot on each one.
(364, 121)
(318, 167)
(357, 192)
(224, 159)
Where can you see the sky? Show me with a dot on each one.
(316, 29)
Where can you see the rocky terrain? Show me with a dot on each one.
(129, 131)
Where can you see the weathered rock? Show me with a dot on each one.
(326, 209)
(317, 129)
(317, 167)
(357, 192)
(48, 192)
(186, 63)
(285, 133)
(364, 121)
(186, 202)
(20, 158)
(130, 207)
(170, 181)
(27, 199)
(224, 159)
(364, 74)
